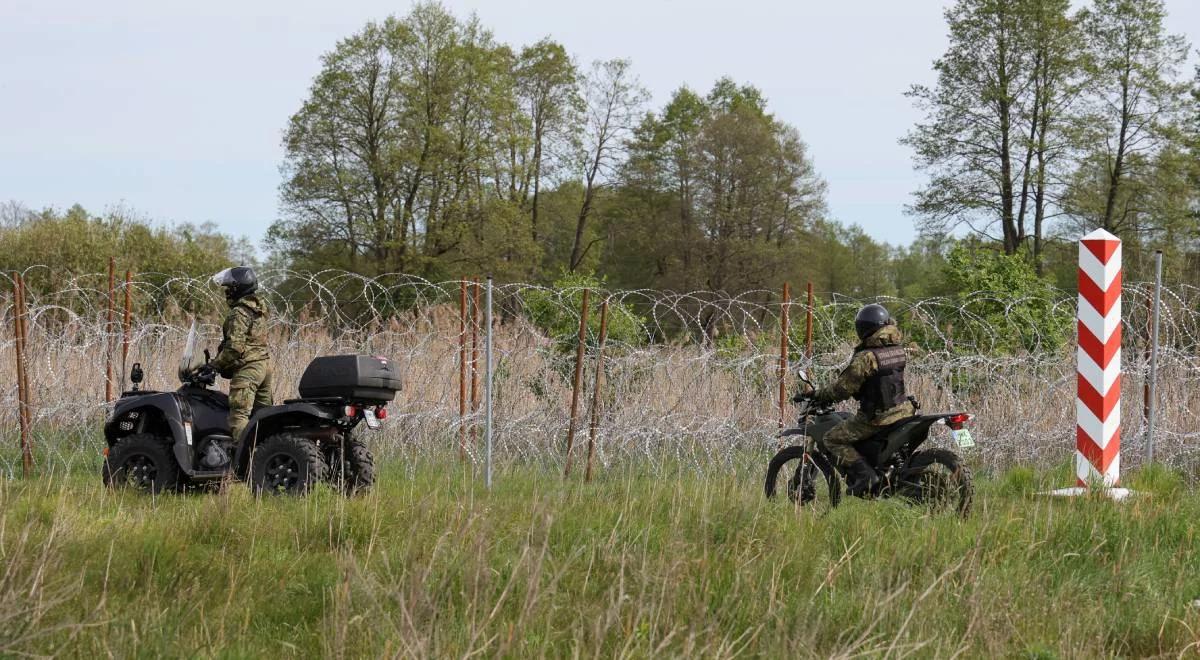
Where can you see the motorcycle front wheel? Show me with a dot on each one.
(811, 480)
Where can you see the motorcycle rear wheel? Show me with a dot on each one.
(939, 479)
(811, 480)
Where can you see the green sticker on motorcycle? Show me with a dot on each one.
(963, 438)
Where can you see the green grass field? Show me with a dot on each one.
(637, 565)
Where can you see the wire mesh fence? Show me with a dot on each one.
(690, 378)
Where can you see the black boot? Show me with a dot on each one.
(863, 478)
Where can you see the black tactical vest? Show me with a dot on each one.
(885, 388)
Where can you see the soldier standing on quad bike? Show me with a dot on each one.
(875, 378)
(242, 356)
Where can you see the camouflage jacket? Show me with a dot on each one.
(244, 336)
(862, 366)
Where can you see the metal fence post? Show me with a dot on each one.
(20, 334)
(126, 327)
(108, 330)
(462, 370)
(1158, 256)
(808, 330)
(595, 413)
(487, 384)
(576, 383)
(783, 354)
(475, 307)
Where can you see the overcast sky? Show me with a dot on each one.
(175, 109)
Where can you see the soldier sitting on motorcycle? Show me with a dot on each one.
(875, 378)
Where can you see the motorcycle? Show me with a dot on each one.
(935, 477)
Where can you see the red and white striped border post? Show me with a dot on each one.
(1098, 404)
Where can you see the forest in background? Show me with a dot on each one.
(427, 147)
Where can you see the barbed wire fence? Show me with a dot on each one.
(690, 378)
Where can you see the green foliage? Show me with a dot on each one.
(1157, 480)
(1003, 304)
(421, 149)
(77, 243)
(716, 194)
(556, 310)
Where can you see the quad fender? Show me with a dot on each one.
(267, 421)
(157, 413)
(159, 409)
(162, 407)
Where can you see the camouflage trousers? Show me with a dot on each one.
(840, 440)
(249, 389)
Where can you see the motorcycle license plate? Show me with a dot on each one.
(963, 438)
(372, 420)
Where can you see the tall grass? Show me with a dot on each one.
(640, 563)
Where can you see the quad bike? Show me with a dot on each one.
(164, 441)
(935, 477)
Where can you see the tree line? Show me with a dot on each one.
(1046, 122)
(426, 146)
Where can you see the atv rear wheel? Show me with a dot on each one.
(142, 461)
(287, 464)
(351, 467)
(939, 479)
(812, 476)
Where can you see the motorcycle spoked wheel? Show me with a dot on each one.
(938, 479)
(811, 480)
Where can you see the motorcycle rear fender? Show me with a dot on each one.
(266, 421)
(911, 433)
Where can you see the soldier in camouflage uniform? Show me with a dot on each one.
(874, 377)
(242, 356)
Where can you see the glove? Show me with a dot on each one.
(805, 393)
(206, 372)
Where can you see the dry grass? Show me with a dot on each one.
(678, 402)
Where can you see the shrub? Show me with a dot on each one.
(555, 311)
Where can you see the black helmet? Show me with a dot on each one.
(870, 319)
(239, 282)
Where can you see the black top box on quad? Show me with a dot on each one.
(160, 441)
(351, 377)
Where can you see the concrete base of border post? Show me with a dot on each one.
(1114, 494)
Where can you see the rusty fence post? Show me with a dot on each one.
(20, 335)
(126, 327)
(462, 370)
(583, 315)
(783, 353)
(808, 328)
(595, 412)
(474, 358)
(108, 348)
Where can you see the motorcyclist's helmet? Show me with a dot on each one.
(239, 282)
(870, 319)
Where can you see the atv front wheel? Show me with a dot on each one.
(286, 464)
(141, 461)
(351, 467)
(812, 474)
